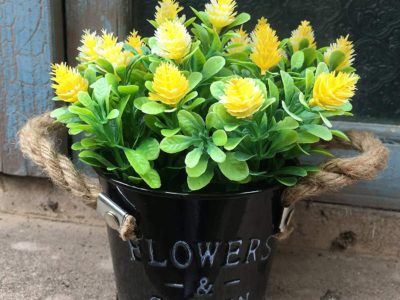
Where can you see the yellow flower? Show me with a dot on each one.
(111, 50)
(265, 53)
(67, 82)
(221, 13)
(135, 41)
(243, 39)
(106, 47)
(242, 97)
(167, 10)
(303, 35)
(169, 84)
(344, 45)
(173, 40)
(89, 50)
(333, 89)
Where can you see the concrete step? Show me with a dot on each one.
(55, 248)
(50, 260)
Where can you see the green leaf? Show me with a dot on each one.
(128, 89)
(286, 123)
(322, 151)
(322, 68)
(91, 143)
(306, 138)
(121, 71)
(294, 116)
(85, 99)
(138, 102)
(335, 59)
(149, 148)
(341, 135)
(202, 16)
(240, 19)
(310, 55)
(288, 86)
(194, 104)
(232, 143)
(105, 65)
(219, 137)
(297, 60)
(193, 157)
(190, 122)
(309, 80)
(153, 108)
(212, 66)
(113, 114)
(325, 120)
(101, 90)
(170, 132)
(319, 131)
(199, 168)
(138, 161)
(176, 143)
(197, 183)
(303, 101)
(291, 170)
(81, 111)
(152, 178)
(194, 79)
(288, 181)
(241, 156)
(94, 159)
(234, 169)
(284, 139)
(90, 75)
(216, 153)
(217, 89)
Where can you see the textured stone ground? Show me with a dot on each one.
(52, 260)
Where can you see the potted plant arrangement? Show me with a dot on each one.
(194, 133)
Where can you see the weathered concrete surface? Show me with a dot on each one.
(42, 259)
(39, 197)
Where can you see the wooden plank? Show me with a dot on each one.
(30, 38)
(384, 191)
(112, 15)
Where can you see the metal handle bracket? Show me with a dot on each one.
(113, 214)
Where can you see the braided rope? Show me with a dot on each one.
(37, 144)
(337, 173)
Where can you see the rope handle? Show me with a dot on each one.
(36, 143)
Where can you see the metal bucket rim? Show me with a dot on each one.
(164, 193)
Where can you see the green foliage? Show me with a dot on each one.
(133, 138)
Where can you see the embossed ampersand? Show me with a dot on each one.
(205, 288)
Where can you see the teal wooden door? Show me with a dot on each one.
(34, 34)
(31, 37)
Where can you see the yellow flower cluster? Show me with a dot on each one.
(173, 40)
(169, 85)
(240, 42)
(333, 89)
(265, 53)
(346, 47)
(107, 47)
(67, 82)
(242, 97)
(303, 36)
(221, 13)
(167, 10)
(135, 41)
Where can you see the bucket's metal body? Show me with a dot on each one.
(194, 246)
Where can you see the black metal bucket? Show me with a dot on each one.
(194, 246)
